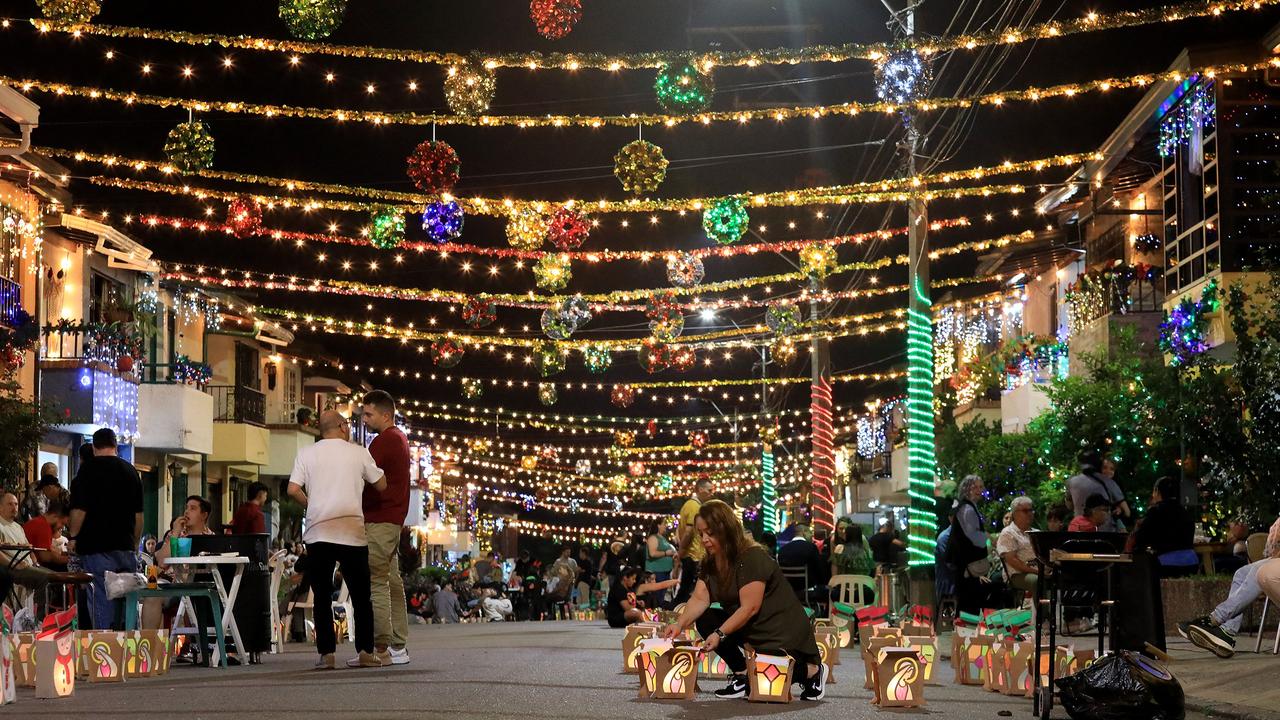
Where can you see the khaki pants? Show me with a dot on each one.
(390, 619)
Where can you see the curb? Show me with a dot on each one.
(1229, 710)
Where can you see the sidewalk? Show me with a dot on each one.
(1244, 686)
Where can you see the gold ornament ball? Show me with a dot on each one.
(526, 230)
(70, 11)
(469, 88)
(640, 166)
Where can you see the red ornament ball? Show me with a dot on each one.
(682, 358)
(479, 312)
(446, 353)
(244, 216)
(434, 166)
(124, 363)
(623, 395)
(567, 229)
(697, 439)
(655, 356)
(553, 19)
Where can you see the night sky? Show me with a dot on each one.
(555, 163)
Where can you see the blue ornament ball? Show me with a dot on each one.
(442, 220)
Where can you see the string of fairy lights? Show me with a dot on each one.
(614, 62)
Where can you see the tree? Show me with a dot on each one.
(22, 425)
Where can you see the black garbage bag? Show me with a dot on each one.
(1122, 686)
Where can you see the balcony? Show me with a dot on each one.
(286, 440)
(238, 404)
(175, 418)
(1102, 301)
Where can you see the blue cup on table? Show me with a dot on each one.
(180, 547)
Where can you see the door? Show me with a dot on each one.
(247, 366)
(151, 502)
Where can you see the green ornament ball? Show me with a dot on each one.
(597, 359)
(683, 88)
(189, 147)
(312, 19)
(386, 228)
(726, 221)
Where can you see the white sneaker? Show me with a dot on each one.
(399, 657)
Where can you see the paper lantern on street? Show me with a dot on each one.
(768, 678)
(677, 673)
(974, 654)
(24, 659)
(159, 650)
(871, 648)
(1018, 669)
(55, 664)
(899, 678)
(997, 677)
(631, 641)
(827, 654)
(927, 647)
(106, 657)
(709, 663)
(825, 628)
(8, 684)
(646, 659)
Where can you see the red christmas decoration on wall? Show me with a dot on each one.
(567, 229)
(553, 19)
(434, 166)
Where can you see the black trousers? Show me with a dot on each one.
(688, 580)
(731, 651)
(354, 561)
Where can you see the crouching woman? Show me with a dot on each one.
(757, 606)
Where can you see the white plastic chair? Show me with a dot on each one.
(852, 590)
(276, 563)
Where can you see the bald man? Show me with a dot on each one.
(25, 573)
(329, 479)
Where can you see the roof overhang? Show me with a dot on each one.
(121, 251)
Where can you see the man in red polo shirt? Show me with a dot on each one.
(384, 514)
(42, 529)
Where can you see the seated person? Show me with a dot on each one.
(496, 605)
(1055, 520)
(194, 520)
(758, 607)
(802, 552)
(1021, 569)
(1216, 632)
(621, 608)
(1097, 509)
(1168, 531)
(444, 604)
(25, 573)
(43, 531)
(1237, 535)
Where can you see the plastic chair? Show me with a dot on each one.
(851, 590)
(801, 573)
(276, 563)
(1269, 581)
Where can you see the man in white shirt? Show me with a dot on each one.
(328, 480)
(1014, 546)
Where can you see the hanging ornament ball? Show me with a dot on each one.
(70, 11)
(582, 467)
(529, 462)
(769, 433)
(782, 317)
(783, 350)
(597, 359)
(685, 269)
(556, 326)
(682, 358)
(547, 393)
(553, 19)
(654, 356)
(698, 439)
(640, 166)
(434, 166)
(553, 272)
(567, 229)
(190, 147)
(817, 261)
(526, 229)
(901, 77)
(479, 312)
(244, 216)
(469, 88)
(622, 396)
(683, 88)
(635, 468)
(624, 438)
(446, 353)
(386, 227)
(548, 358)
(481, 446)
(666, 319)
(312, 19)
(442, 220)
(668, 328)
(472, 388)
(726, 220)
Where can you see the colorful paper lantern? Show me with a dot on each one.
(442, 220)
(386, 227)
(768, 677)
(446, 353)
(189, 147)
(434, 166)
(70, 11)
(553, 272)
(526, 229)
(479, 312)
(469, 88)
(899, 678)
(472, 388)
(244, 216)
(685, 270)
(547, 393)
(726, 220)
(567, 229)
(682, 88)
(676, 672)
(622, 396)
(597, 359)
(640, 166)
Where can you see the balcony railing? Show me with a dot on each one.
(1118, 290)
(238, 404)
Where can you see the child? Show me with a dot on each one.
(1096, 511)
